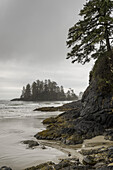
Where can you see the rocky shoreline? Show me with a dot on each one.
(82, 120)
(72, 128)
(96, 153)
(74, 133)
(85, 119)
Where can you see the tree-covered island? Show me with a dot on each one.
(46, 91)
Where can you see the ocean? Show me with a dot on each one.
(18, 122)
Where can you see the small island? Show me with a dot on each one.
(46, 91)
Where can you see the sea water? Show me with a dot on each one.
(18, 122)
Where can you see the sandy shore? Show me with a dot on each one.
(94, 143)
(16, 155)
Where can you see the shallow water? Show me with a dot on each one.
(19, 122)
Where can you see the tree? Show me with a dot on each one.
(91, 36)
(23, 93)
(44, 91)
(34, 91)
(28, 92)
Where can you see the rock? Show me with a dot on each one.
(65, 107)
(87, 118)
(88, 160)
(99, 165)
(16, 99)
(47, 109)
(43, 147)
(49, 120)
(5, 168)
(65, 164)
(43, 166)
(110, 165)
(69, 154)
(108, 135)
(31, 143)
(89, 151)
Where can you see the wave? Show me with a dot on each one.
(18, 109)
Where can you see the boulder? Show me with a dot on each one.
(110, 165)
(43, 147)
(88, 160)
(31, 143)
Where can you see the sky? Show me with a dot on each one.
(33, 35)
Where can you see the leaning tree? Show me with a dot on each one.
(93, 34)
(92, 37)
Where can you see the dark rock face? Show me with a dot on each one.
(88, 118)
(94, 101)
(72, 128)
(63, 127)
(109, 134)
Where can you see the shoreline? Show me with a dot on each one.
(78, 153)
(88, 144)
(66, 149)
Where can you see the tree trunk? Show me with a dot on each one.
(107, 38)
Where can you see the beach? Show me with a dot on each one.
(18, 122)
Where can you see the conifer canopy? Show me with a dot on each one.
(93, 34)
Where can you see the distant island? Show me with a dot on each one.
(46, 91)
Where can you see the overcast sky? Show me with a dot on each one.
(33, 36)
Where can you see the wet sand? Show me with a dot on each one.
(94, 143)
(13, 153)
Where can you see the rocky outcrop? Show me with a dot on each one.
(102, 157)
(90, 117)
(16, 99)
(95, 101)
(31, 143)
(65, 107)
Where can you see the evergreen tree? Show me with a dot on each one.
(23, 93)
(68, 94)
(27, 92)
(73, 96)
(34, 91)
(92, 35)
(45, 91)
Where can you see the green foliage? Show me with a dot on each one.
(46, 91)
(91, 36)
(26, 93)
(102, 72)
